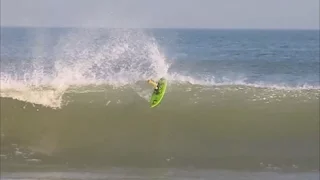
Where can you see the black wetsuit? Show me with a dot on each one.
(157, 91)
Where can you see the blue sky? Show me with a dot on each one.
(274, 14)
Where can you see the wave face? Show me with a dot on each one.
(80, 97)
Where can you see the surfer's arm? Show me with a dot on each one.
(154, 84)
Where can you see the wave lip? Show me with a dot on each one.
(53, 93)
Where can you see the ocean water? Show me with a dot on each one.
(240, 104)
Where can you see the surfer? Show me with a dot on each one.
(159, 89)
(155, 85)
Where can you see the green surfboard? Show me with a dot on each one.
(157, 97)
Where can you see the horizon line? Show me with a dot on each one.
(185, 28)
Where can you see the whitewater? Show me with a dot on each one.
(94, 58)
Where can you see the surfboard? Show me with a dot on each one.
(157, 97)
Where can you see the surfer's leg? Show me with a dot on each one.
(157, 91)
